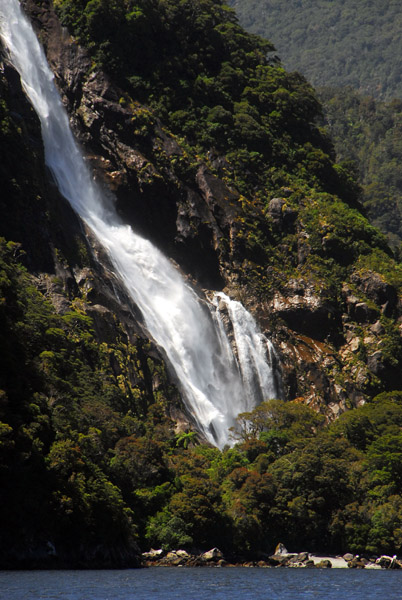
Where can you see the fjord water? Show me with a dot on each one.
(202, 584)
(216, 383)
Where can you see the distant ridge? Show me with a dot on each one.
(340, 43)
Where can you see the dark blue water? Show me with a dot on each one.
(201, 584)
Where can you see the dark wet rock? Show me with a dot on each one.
(303, 309)
(356, 563)
(377, 290)
(324, 564)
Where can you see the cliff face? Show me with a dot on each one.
(170, 196)
(302, 260)
(181, 204)
(184, 214)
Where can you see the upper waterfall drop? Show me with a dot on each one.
(217, 383)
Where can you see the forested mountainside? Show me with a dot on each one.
(336, 43)
(214, 153)
(351, 52)
(368, 133)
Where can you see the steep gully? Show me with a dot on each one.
(219, 376)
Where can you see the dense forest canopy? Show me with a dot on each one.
(96, 463)
(351, 52)
(224, 97)
(89, 442)
(368, 133)
(337, 43)
(211, 84)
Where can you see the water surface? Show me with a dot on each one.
(202, 584)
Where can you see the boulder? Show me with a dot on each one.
(377, 328)
(175, 558)
(298, 560)
(356, 563)
(347, 557)
(375, 363)
(212, 555)
(281, 550)
(388, 562)
(384, 561)
(324, 564)
(282, 215)
(262, 564)
(302, 557)
(275, 209)
(153, 554)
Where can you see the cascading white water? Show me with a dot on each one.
(216, 385)
(256, 357)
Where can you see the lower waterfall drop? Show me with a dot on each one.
(216, 383)
(256, 358)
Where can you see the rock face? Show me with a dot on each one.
(328, 346)
(376, 289)
(186, 217)
(282, 215)
(303, 309)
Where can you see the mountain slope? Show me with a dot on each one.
(354, 46)
(238, 185)
(340, 43)
(368, 134)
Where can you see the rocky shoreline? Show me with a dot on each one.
(280, 558)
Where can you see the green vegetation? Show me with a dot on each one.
(97, 465)
(69, 407)
(217, 91)
(94, 462)
(333, 42)
(212, 85)
(87, 444)
(292, 478)
(368, 135)
(350, 51)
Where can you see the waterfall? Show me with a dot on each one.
(216, 383)
(256, 358)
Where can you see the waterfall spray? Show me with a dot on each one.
(216, 384)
